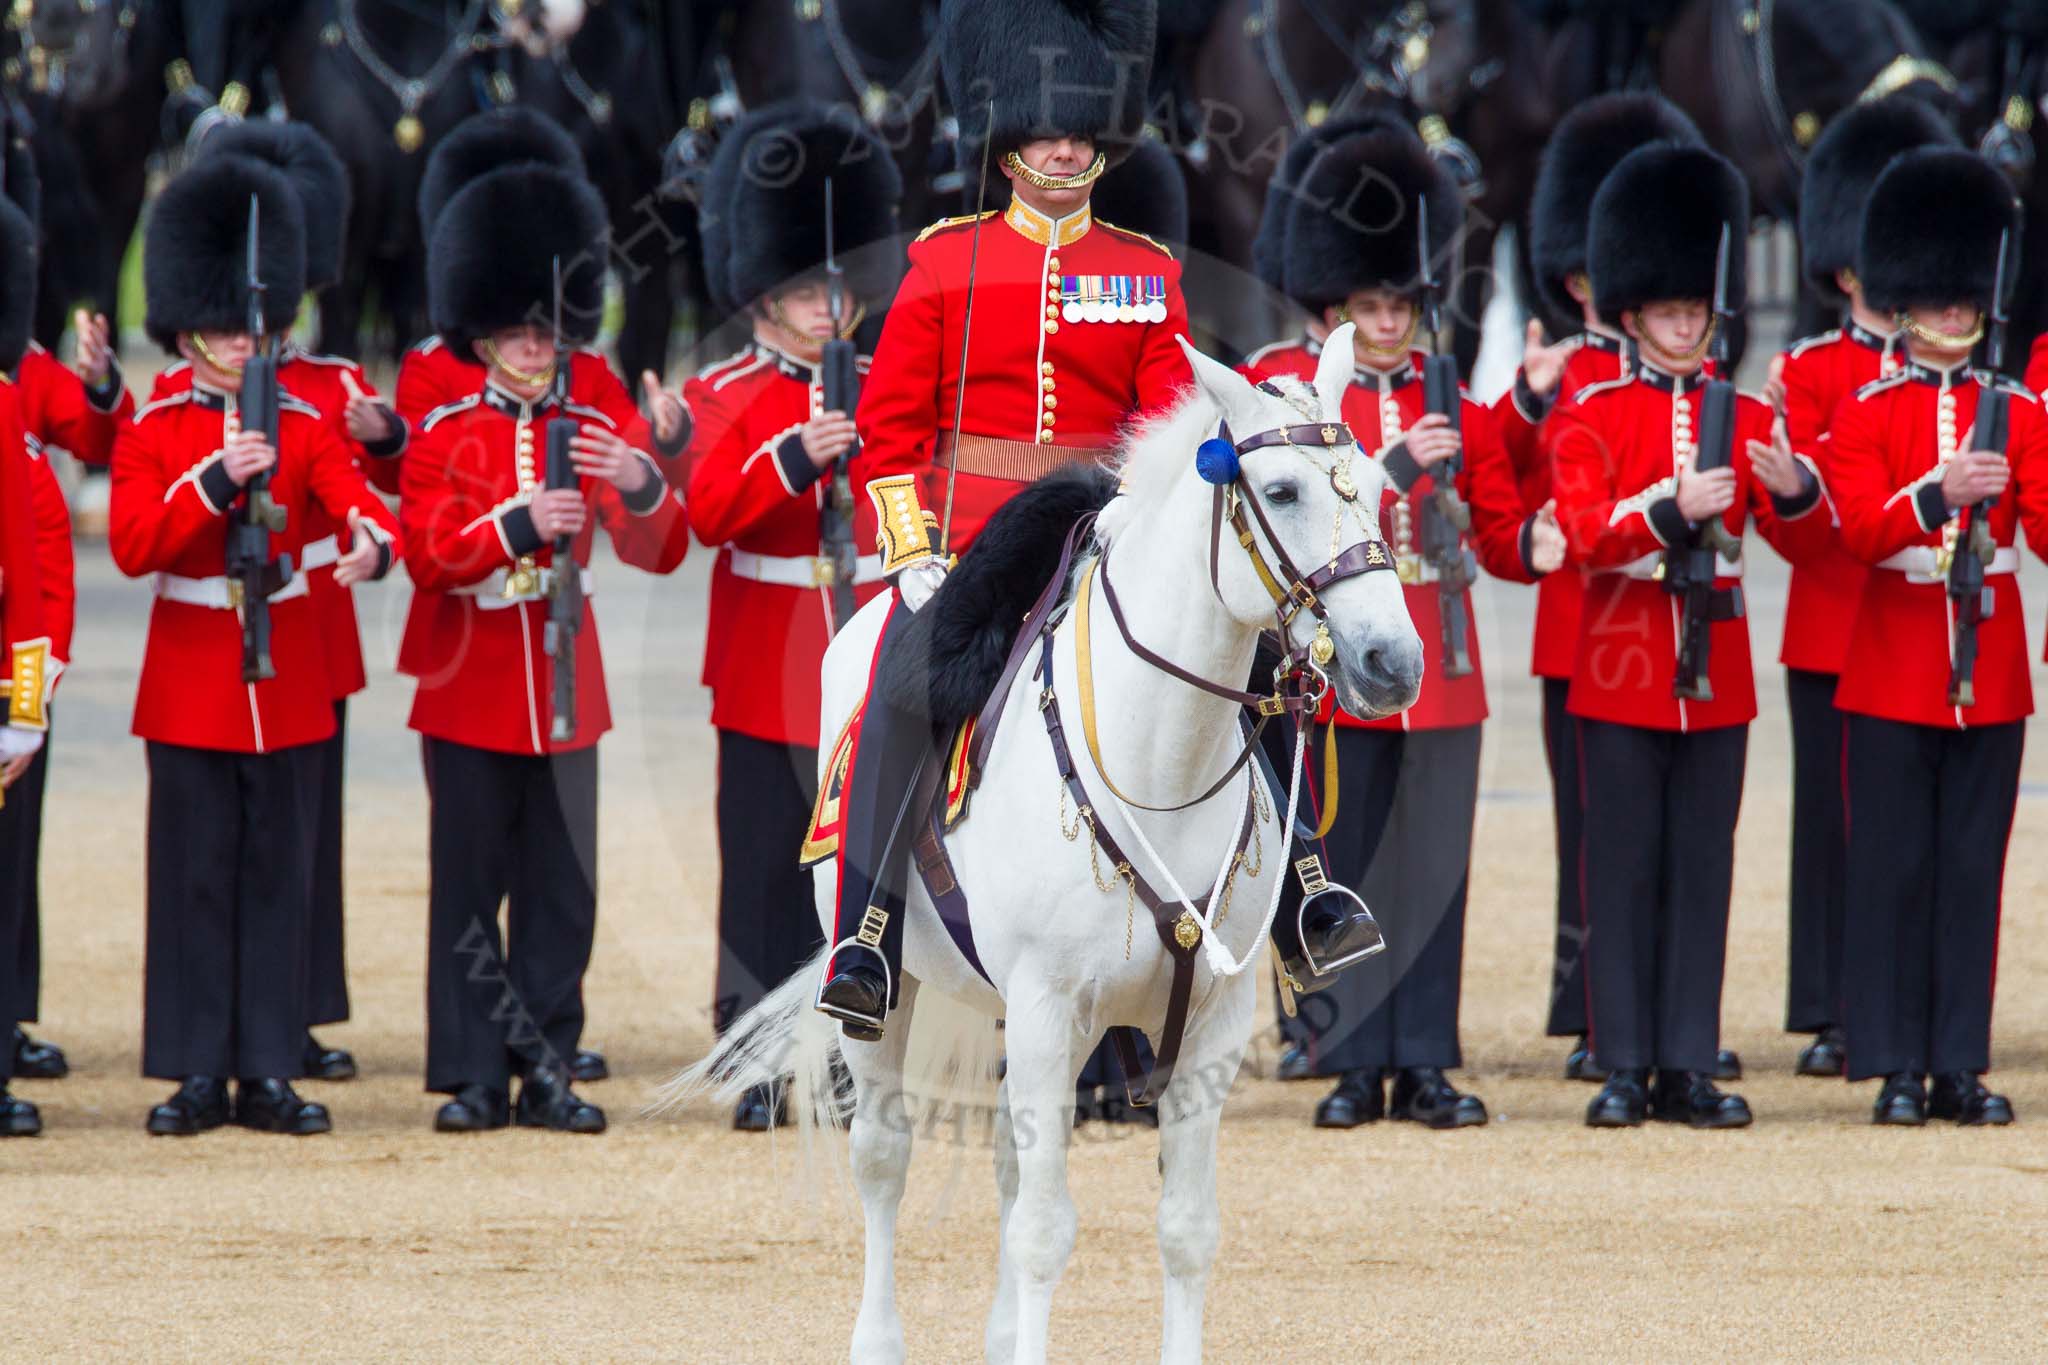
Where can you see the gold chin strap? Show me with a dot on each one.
(206, 354)
(805, 339)
(1040, 180)
(539, 380)
(1946, 341)
(1687, 357)
(1399, 348)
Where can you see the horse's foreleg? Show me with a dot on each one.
(999, 1343)
(1189, 1115)
(880, 1134)
(1038, 1236)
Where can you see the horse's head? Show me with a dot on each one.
(76, 50)
(1309, 498)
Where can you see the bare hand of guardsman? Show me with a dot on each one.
(360, 562)
(246, 455)
(1775, 468)
(599, 453)
(367, 417)
(1542, 366)
(1705, 493)
(1774, 387)
(664, 409)
(558, 512)
(828, 436)
(1546, 540)
(1432, 440)
(93, 357)
(1973, 475)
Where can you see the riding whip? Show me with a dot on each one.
(966, 331)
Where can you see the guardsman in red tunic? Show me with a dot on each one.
(1662, 772)
(36, 600)
(514, 799)
(1812, 377)
(1403, 830)
(228, 857)
(769, 487)
(1586, 145)
(1073, 335)
(1933, 771)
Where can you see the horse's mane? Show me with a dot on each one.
(1158, 450)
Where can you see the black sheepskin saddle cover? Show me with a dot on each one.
(946, 660)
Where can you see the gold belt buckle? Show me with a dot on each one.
(1272, 706)
(522, 582)
(1944, 555)
(824, 573)
(1408, 568)
(236, 595)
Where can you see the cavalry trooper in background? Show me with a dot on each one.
(1073, 335)
(374, 436)
(1661, 757)
(225, 984)
(1409, 784)
(769, 486)
(1588, 143)
(1930, 496)
(36, 611)
(1811, 379)
(511, 775)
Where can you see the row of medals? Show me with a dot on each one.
(1147, 307)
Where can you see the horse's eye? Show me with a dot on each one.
(1281, 494)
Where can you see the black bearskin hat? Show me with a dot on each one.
(1269, 245)
(1146, 194)
(1078, 67)
(17, 284)
(764, 203)
(1851, 153)
(1931, 226)
(1589, 142)
(297, 150)
(1656, 229)
(195, 251)
(490, 261)
(1352, 216)
(483, 142)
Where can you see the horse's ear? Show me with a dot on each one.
(1333, 372)
(1226, 388)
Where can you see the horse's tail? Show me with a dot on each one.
(780, 1037)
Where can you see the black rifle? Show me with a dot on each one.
(1690, 566)
(1445, 517)
(841, 382)
(252, 571)
(565, 585)
(1973, 555)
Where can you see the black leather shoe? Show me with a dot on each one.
(1826, 1055)
(858, 997)
(474, 1109)
(323, 1063)
(1961, 1096)
(1579, 1064)
(1360, 1097)
(1622, 1102)
(588, 1065)
(1422, 1095)
(35, 1060)
(1727, 1065)
(546, 1101)
(199, 1104)
(269, 1105)
(1293, 1065)
(1902, 1103)
(761, 1108)
(18, 1118)
(1691, 1098)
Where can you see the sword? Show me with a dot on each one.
(966, 332)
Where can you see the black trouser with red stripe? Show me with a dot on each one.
(1403, 840)
(1820, 851)
(874, 860)
(327, 959)
(1568, 955)
(517, 831)
(1930, 813)
(224, 982)
(21, 944)
(1659, 832)
(767, 914)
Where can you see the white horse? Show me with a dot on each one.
(1067, 959)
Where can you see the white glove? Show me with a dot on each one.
(18, 741)
(917, 582)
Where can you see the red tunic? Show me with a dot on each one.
(1037, 370)
(1885, 477)
(485, 677)
(755, 494)
(430, 375)
(35, 571)
(1378, 407)
(56, 582)
(1818, 374)
(58, 410)
(1616, 451)
(167, 516)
